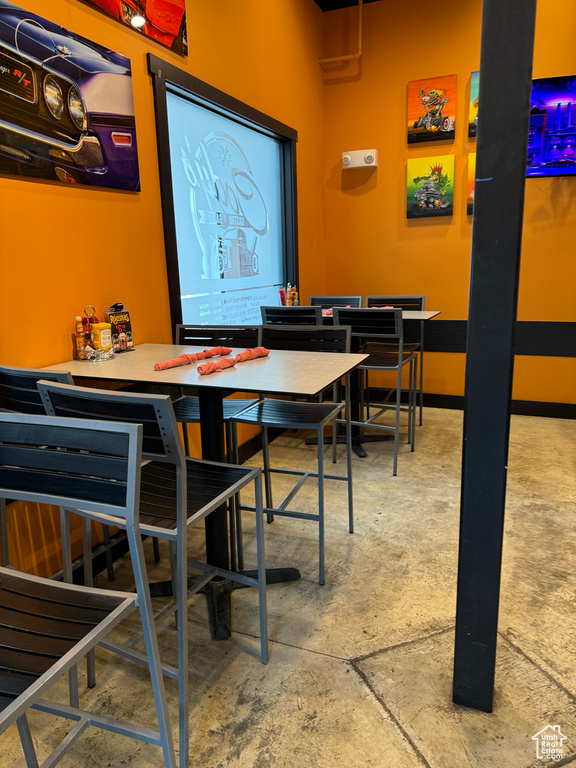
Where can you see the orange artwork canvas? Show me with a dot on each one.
(432, 109)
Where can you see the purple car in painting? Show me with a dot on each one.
(66, 105)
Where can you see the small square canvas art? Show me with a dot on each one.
(430, 187)
(470, 184)
(473, 106)
(432, 109)
(552, 130)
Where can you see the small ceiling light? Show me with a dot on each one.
(138, 21)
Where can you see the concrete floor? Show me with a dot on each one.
(360, 669)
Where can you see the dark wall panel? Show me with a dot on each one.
(532, 338)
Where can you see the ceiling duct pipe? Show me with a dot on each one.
(349, 56)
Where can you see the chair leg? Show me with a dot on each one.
(173, 554)
(181, 592)
(321, 504)
(397, 421)
(67, 576)
(364, 404)
(66, 545)
(156, 550)
(185, 438)
(261, 570)
(232, 504)
(232, 535)
(421, 382)
(27, 742)
(267, 477)
(410, 399)
(108, 551)
(415, 404)
(349, 458)
(88, 581)
(153, 653)
(3, 532)
(336, 393)
(236, 502)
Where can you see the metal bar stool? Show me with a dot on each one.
(47, 627)
(176, 493)
(290, 414)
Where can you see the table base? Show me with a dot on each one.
(356, 442)
(218, 593)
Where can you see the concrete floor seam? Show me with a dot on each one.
(423, 637)
(538, 666)
(390, 714)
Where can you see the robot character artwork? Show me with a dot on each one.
(431, 109)
(433, 119)
(432, 197)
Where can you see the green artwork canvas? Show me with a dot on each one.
(473, 105)
(430, 187)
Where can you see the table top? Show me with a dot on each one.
(407, 314)
(282, 372)
(419, 314)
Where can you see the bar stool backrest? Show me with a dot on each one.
(398, 302)
(327, 302)
(371, 324)
(307, 338)
(206, 336)
(160, 438)
(71, 463)
(292, 315)
(414, 329)
(18, 391)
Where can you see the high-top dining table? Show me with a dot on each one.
(282, 372)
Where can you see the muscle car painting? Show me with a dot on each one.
(162, 20)
(66, 105)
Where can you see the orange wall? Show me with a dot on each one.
(371, 247)
(63, 247)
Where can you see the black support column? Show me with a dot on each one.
(504, 103)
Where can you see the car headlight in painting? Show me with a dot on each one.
(53, 96)
(76, 109)
(132, 16)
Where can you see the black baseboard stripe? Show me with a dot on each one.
(519, 407)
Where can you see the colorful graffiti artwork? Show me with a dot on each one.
(430, 187)
(432, 109)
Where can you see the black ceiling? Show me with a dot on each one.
(334, 5)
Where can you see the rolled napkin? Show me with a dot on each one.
(214, 352)
(219, 365)
(182, 359)
(252, 354)
(186, 359)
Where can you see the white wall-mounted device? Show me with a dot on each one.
(360, 158)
